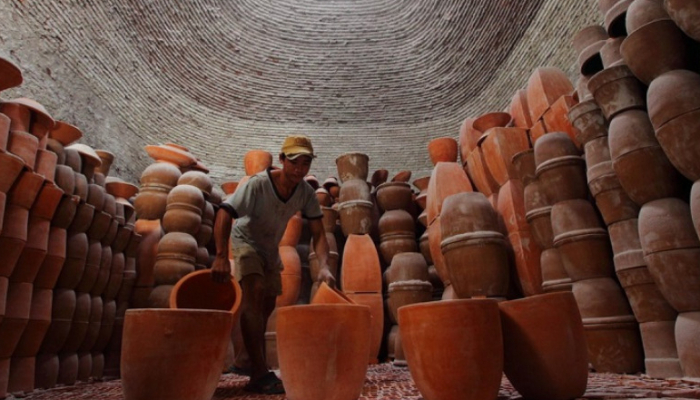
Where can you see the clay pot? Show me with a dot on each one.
(687, 334)
(407, 266)
(642, 12)
(157, 348)
(544, 346)
(538, 211)
(34, 251)
(12, 167)
(511, 206)
(671, 248)
(560, 171)
(11, 74)
(354, 189)
(610, 52)
(352, 166)
(53, 262)
(442, 149)
(396, 221)
(616, 89)
(379, 176)
(394, 196)
(183, 212)
(445, 180)
(520, 110)
(156, 182)
(172, 154)
(175, 258)
(615, 18)
(499, 147)
(438, 341)
(661, 356)
(492, 120)
(468, 136)
(355, 217)
(375, 303)
(544, 87)
(587, 36)
(255, 161)
(554, 276)
(524, 166)
(467, 212)
(655, 48)
(290, 275)
(331, 340)
(434, 241)
(479, 174)
(197, 290)
(588, 121)
(292, 233)
(361, 267)
(403, 293)
(527, 262)
(614, 344)
(197, 179)
(328, 295)
(685, 15)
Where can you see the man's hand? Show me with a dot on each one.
(324, 275)
(221, 270)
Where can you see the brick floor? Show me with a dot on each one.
(385, 381)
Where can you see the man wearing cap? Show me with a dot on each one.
(261, 208)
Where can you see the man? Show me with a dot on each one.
(262, 207)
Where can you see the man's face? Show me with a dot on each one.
(296, 169)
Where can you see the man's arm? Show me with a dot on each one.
(221, 268)
(321, 249)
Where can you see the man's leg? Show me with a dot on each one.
(253, 320)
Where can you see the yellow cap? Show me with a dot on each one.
(297, 145)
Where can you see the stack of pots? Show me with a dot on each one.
(421, 200)
(474, 164)
(397, 229)
(474, 250)
(548, 96)
(361, 280)
(447, 178)
(355, 206)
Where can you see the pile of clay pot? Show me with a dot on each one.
(636, 123)
(68, 251)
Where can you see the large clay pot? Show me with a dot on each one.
(560, 170)
(354, 189)
(499, 147)
(544, 346)
(361, 270)
(198, 290)
(434, 241)
(538, 212)
(468, 137)
(527, 255)
(322, 350)
(355, 217)
(408, 266)
(156, 182)
(352, 166)
(454, 349)
(443, 149)
(402, 293)
(445, 180)
(290, 276)
(11, 74)
(328, 295)
(642, 12)
(685, 14)
(616, 89)
(615, 17)
(654, 48)
(175, 258)
(256, 161)
(554, 276)
(157, 360)
(479, 173)
(520, 110)
(394, 196)
(614, 344)
(183, 212)
(171, 153)
(660, 353)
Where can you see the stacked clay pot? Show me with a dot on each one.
(547, 103)
(355, 206)
(475, 162)
(397, 234)
(473, 247)
(361, 280)
(445, 180)
(670, 245)
(612, 333)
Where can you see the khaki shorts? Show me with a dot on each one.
(247, 261)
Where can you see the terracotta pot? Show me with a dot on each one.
(403, 293)
(633, 146)
(527, 256)
(438, 341)
(352, 166)
(78, 330)
(110, 279)
(544, 346)
(600, 298)
(330, 218)
(25, 189)
(379, 176)
(328, 295)
(642, 12)
(615, 18)
(443, 149)
(197, 179)
(12, 165)
(556, 118)
(520, 110)
(661, 356)
(687, 341)
(544, 87)
(147, 250)
(172, 154)
(614, 344)
(407, 266)
(361, 269)
(536, 131)
(479, 174)
(511, 206)
(376, 330)
(499, 147)
(434, 241)
(156, 182)
(538, 213)
(34, 251)
(587, 36)
(332, 340)
(175, 258)
(562, 177)
(680, 145)
(655, 48)
(554, 276)
(588, 121)
(25, 146)
(610, 52)
(467, 212)
(354, 189)
(394, 196)
(13, 238)
(445, 180)
(92, 267)
(183, 212)
(355, 217)
(53, 262)
(468, 136)
(197, 290)
(492, 120)
(670, 248)
(684, 14)
(157, 348)
(616, 89)
(256, 161)
(524, 166)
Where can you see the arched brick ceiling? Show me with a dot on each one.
(221, 77)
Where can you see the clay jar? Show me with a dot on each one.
(183, 212)
(582, 240)
(175, 259)
(406, 267)
(198, 290)
(394, 196)
(156, 182)
(352, 166)
(397, 234)
(474, 251)
(402, 293)
(442, 149)
(685, 15)
(255, 161)
(654, 48)
(524, 166)
(641, 165)
(197, 179)
(588, 121)
(544, 346)
(560, 170)
(538, 214)
(450, 345)
(328, 295)
(671, 250)
(157, 360)
(355, 217)
(445, 180)
(354, 189)
(616, 89)
(361, 268)
(379, 176)
(675, 115)
(499, 147)
(322, 350)
(479, 173)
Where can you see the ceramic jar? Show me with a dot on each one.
(454, 349)
(397, 234)
(290, 275)
(361, 267)
(560, 169)
(322, 350)
(156, 182)
(175, 258)
(544, 346)
(352, 166)
(394, 196)
(183, 212)
(407, 266)
(402, 293)
(443, 149)
(545, 86)
(616, 89)
(445, 180)
(198, 291)
(157, 360)
(554, 276)
(255, 161)
(684, 14)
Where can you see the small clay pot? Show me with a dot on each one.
(352, 166)
(588, 120)
(616, 89)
